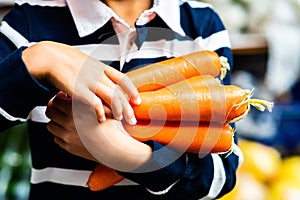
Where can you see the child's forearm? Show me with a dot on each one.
(111, 145)
(82, 77)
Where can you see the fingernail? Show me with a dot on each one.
(132, 121)
(103, 119)
(120, 117)
(138, 100)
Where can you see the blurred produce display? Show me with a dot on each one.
(276, 25)
(265, 174)
(14, 164)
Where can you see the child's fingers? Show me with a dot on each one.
(55, 115)
(116, 99)
(62, 103)
(125, 83)
(130, 89)
(90, 98)
(108, 112)
(55, 129)
(127, 111)
(117, 108)
(112, 96)
(99, 109)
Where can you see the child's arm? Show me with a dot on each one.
(30, 76)
(82, 77)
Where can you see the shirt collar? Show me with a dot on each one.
(90, 15)
(169, 12)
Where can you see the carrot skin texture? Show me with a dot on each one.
(193, 82)
(103, 177)
(213, 103)
(158, 75)
(185, 136)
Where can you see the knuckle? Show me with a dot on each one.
(49, 126)
(47, 112)
(117, 112)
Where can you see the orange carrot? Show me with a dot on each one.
(103, 177)
(161, 74)
(193, 82)
(211, 103)
(185, 136)
(189, 136)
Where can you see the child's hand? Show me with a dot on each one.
(76, 130)
(83, 77)
(62, 126)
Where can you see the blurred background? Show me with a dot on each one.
(265, 39)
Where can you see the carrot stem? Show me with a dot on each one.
(224, 67)
(261, 104)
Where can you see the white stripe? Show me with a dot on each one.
(215, 41)
(104, 52)
(62, 176)
(197, 4)
(172, 48)
(219, 177)
(109, 52)
(149, 50)
(66, 177)
(14, 36)
(158, 48)
(9, 117)
(58, 3)
(218, 180)
(154, 49)
(126, 181)
(163, 191)
(237, 151)
(176, 48)
(219, 173)
(38, 115)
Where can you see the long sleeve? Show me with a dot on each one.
(189, 176)
(20, 92)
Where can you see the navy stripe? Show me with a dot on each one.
(13, 66)
(204, 21)
(17, 15)
(231, 165)
(7, 124)
(195, 183)
(46, 153)
(56, 191)
(5, 47)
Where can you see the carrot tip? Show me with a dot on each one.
(230, 151)
(248, 94)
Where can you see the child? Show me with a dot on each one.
(124, 34)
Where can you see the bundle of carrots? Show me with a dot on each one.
(185, 106)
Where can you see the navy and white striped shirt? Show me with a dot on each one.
(170, 28)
